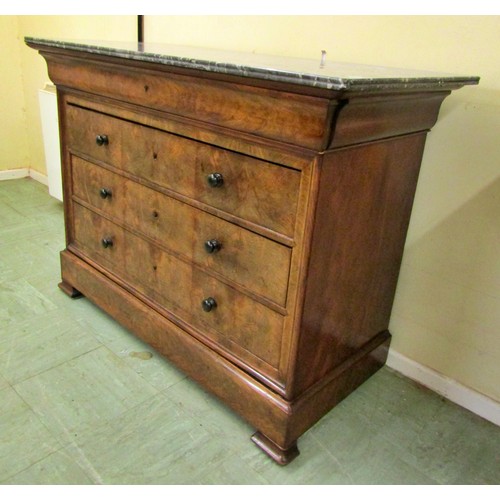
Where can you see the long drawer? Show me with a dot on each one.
(282, 116)
(257, 263)
(261, 192)
(246, 328)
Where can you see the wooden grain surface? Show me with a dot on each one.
(261, 192)
(258, 264)
(283, 116)
(316, 211)
(361, 219)
(239, 323)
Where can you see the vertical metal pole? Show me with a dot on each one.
(140, 29)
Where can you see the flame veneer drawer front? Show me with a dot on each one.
(246, 328)
(260, 192)
(255, 262)
(273, 114)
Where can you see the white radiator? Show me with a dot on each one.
(50, 131)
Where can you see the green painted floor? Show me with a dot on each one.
(82, 401)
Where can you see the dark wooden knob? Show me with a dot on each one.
(105, 193)
(212, 246)
(215, 180)
(102, 140)
(209, 304)
(107, 242)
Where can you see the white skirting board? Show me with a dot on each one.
(472, 400)
(37, 176)
(15, 173)
(20, 173)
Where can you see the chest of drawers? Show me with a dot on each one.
(248, 224)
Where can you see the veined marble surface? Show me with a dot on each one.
(322, 72)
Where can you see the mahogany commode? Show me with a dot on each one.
(245, 215)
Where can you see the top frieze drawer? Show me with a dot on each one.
(254, 190)
(274, 114)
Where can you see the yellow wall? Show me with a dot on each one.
(13, 129)
(447, 310)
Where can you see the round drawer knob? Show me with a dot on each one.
(105, 193)
(209, 304)
(212, 246)
(102, 140)
(215, 180)
(107, 242)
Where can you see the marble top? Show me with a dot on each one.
(323, 72)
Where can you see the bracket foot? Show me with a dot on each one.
(69, 290)
(278, 454)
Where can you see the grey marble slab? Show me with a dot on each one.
(323, 72)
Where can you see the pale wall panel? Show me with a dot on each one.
(13, 130)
